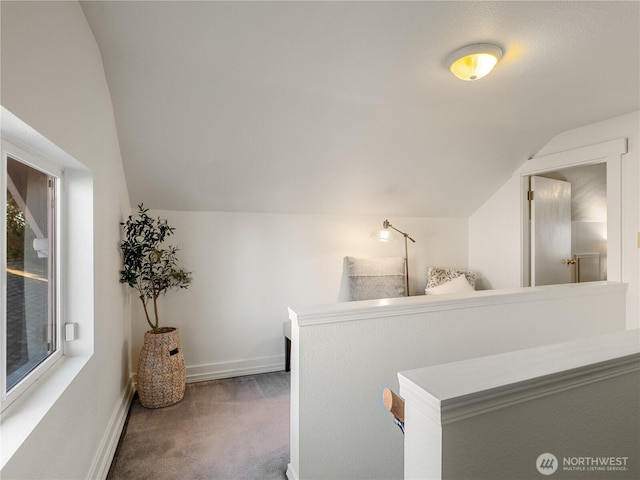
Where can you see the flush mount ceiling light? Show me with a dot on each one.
(474, 61)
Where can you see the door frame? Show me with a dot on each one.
(609, 152)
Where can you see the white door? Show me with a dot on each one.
(551, 261)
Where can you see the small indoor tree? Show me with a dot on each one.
(148, 266)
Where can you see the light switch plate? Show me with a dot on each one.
(70, 331)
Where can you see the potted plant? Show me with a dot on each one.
(152, 269)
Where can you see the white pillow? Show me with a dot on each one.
(457, 285)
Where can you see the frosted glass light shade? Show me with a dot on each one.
(383, 235)
(474, 61)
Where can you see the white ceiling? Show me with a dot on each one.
(347, 107)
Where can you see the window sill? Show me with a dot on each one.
(23, 416)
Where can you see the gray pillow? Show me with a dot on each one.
(372, 278)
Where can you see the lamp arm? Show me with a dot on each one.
(406, 235)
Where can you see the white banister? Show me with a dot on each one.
(393, 307)
(493, 417)
(343, 355)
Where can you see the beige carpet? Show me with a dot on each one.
(231, 429)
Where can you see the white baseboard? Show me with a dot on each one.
(109, 443)
(238, 368)
(291, 473)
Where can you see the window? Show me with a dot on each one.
(31, 319)
(70, 278)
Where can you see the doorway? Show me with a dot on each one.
(568, 225)
(609, 154)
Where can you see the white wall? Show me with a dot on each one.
(492, 417)
(248, 268)
(343, 355)
(494, 229)
(53, 79)
(494, 239)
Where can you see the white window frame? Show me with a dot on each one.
(8, 149)
(76, 206)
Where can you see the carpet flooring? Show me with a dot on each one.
(231, 429)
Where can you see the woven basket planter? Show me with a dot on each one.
(161, 371)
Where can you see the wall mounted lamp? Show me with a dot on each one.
(474, 61)
(385, 235)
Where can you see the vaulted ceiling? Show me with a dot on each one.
(348, 107)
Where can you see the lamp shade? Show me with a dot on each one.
(474, 61)
(383, 235)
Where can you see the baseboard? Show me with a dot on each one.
(291, 473)
(109, 443)
(238, 368)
